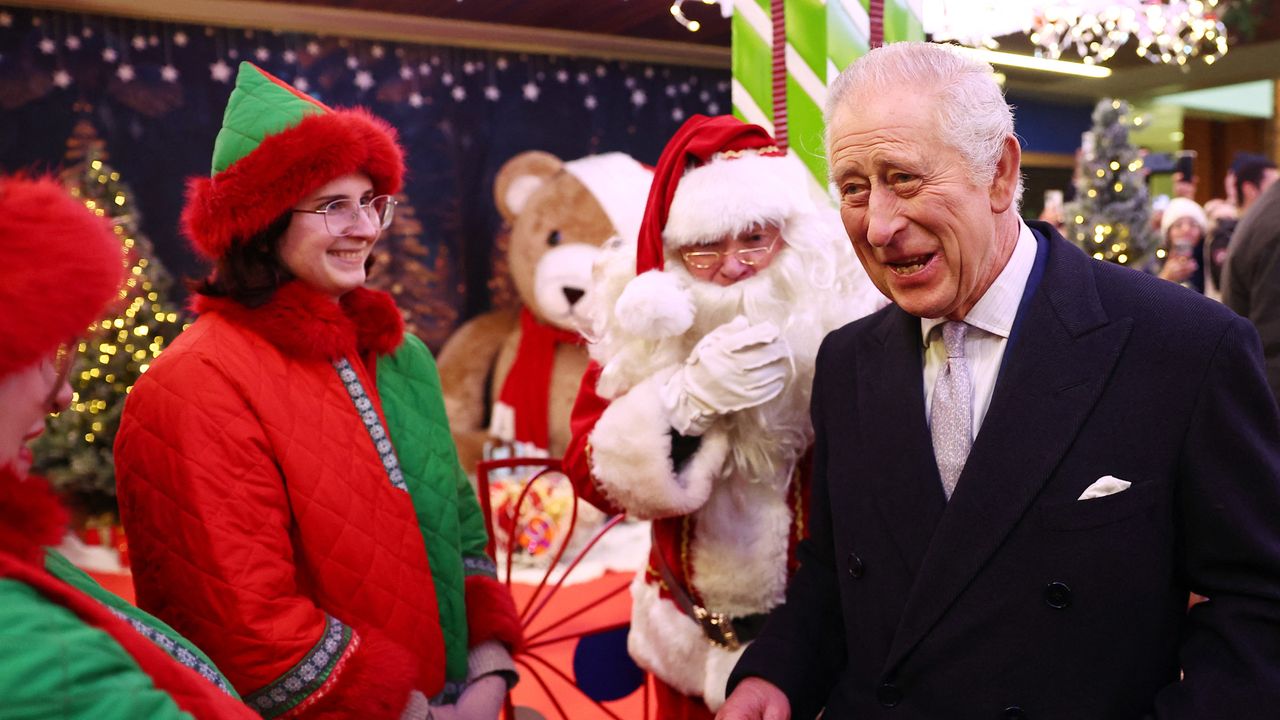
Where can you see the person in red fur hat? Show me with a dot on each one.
(59, 265)
(285, 471)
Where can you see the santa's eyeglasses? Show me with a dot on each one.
(707, 259)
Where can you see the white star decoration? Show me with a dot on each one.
(220, 71)
(313, 48)
(531, 92)
(630, 82)
(139, 42)
(289, 56)
(6, 20)
(47, 46)
(589, 102)
(671, 91)
(109, 55)
(600, 71)
(415, 99)
(459, 93)
(352, 62)
(377, 51)
(73, 42)
(180, 39)
(469, 68)
(153, 40)
(262, 54)
(169, 73)
(713, 108)
(677, 114)
(61, 78)
(638, 98)
(125, 72)
(582, 78)
(364, 80)
(501, 63)
(447, 78)
(406, 72)
(424, 69)
(301, 83)
(491, 93)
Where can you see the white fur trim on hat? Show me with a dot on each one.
(1179, 208)
(733, 193)
(620, 184)
(655, 305)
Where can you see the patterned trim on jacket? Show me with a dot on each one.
(371, 422)
(304, 681)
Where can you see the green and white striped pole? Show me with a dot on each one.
(786, 51)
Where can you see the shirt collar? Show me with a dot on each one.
(996, 310)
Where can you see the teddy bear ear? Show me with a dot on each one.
(520, 177)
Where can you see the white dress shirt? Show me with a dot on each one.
(990, 322)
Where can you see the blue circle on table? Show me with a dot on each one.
(603, 667)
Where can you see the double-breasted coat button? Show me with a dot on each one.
(855, 566)
(888, 695)
(1013, 712)
(1057, 595)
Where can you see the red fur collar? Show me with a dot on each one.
(304, 323)
(30, 516)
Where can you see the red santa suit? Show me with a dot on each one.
(725, 487)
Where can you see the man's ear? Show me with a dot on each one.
(1004, 186)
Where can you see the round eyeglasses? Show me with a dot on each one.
(342, 216)
(707, 259)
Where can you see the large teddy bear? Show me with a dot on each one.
(512, 375)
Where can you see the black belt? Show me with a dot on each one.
(723, 631)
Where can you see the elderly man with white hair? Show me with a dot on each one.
(1010, 509)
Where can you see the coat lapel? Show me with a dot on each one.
(904, 480)
(1051, 379)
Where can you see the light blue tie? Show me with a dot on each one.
(951, 416)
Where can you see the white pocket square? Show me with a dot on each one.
(1104, 486)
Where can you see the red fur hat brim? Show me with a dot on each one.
(60, 265)
(285, 167)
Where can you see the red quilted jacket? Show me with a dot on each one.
(261, 519)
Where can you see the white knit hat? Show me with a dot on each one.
(1179, 208)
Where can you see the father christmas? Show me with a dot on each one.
(694, 411)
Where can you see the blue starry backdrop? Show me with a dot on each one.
(153, 94)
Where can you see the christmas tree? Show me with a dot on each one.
(1110, 218)
(75, 452)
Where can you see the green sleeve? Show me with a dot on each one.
(53, 665)
(474, 535)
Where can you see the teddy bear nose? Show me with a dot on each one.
(573, 294)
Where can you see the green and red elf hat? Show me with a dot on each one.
(276, 146)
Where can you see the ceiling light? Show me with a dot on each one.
(1028, 62)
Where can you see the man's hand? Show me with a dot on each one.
(734, 367)
(755, 699)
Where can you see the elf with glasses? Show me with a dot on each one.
(286, 473)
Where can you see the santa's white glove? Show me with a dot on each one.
(734, 367)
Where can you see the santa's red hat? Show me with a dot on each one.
(60, 264)
(717, 177)
(276, 146)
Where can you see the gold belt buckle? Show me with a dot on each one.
(717, 627)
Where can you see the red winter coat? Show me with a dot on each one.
(262, 522)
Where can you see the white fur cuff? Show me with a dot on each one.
(631, 458)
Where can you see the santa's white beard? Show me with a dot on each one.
(766, 440)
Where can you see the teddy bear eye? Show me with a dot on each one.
(554, 238)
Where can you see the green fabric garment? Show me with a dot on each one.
(260, 105)
(448, 511)
(152, 627)
(53, 665)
